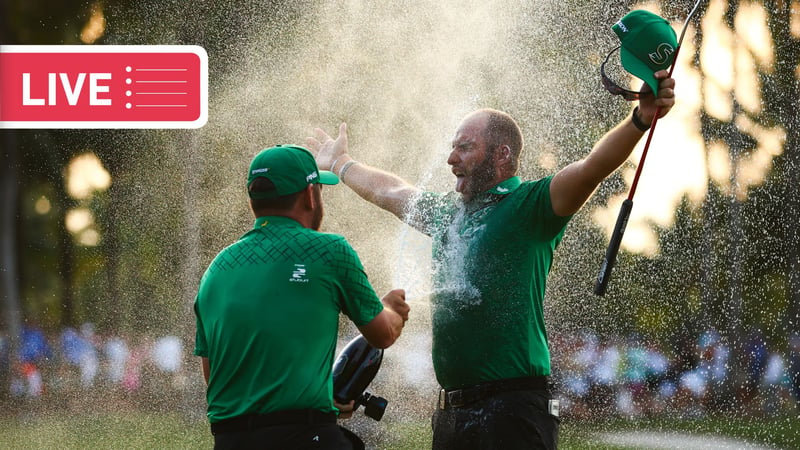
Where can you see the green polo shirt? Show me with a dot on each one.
(491, 259)
(267, 314)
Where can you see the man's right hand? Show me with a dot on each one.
(396, 301)
(386, 327)
(328, 150)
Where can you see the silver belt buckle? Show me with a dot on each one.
(442, 399)
(553, 407)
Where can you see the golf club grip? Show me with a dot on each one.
(601, 284)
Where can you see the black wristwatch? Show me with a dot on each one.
(641, 126)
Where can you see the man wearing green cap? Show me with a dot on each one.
(267, 313)
(493, 243)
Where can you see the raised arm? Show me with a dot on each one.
(574, 184)
(378, 187)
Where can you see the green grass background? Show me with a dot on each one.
(140, 430)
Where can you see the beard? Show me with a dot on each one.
(482, 179)
(316, 219)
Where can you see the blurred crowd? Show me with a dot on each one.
(80, 359)
(634, 377)
(595, 377)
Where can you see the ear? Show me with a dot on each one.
(504, 153)
(307, 200)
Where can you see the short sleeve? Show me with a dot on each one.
(200, 344)
(359, 301)
(539, 208)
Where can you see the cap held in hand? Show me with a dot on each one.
(648, 44)
(290, 168)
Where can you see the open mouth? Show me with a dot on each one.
(460, 180)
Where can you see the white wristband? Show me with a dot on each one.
(345, 167)
(333, 164)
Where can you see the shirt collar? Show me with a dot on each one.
(506, 187)
(493, 195)
(274, 220)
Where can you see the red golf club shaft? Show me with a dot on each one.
(601, 284)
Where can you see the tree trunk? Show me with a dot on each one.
(786, 108)
(10, 319)
(66, 263)
(191, 268)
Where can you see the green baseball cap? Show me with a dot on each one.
(290, 168)
(648, 44)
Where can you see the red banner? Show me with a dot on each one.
(112, 86)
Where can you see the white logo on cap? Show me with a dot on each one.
(622, 26)
(255, 171)
(662, 53)
(311, 176)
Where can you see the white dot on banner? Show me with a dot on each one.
(128, 93)
(128, 69)
(128, 81)
(128, 105)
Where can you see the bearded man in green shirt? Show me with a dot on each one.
(267, 314)
(493, 243)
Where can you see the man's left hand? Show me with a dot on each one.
(648, 105)
(346, 410)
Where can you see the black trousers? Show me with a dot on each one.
(505, 421)
(324, 436)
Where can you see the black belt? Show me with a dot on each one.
(456, 398)
(256, 421)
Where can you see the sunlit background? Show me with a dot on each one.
(114, 228)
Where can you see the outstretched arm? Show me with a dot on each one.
(378, 187)
(574, 184)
